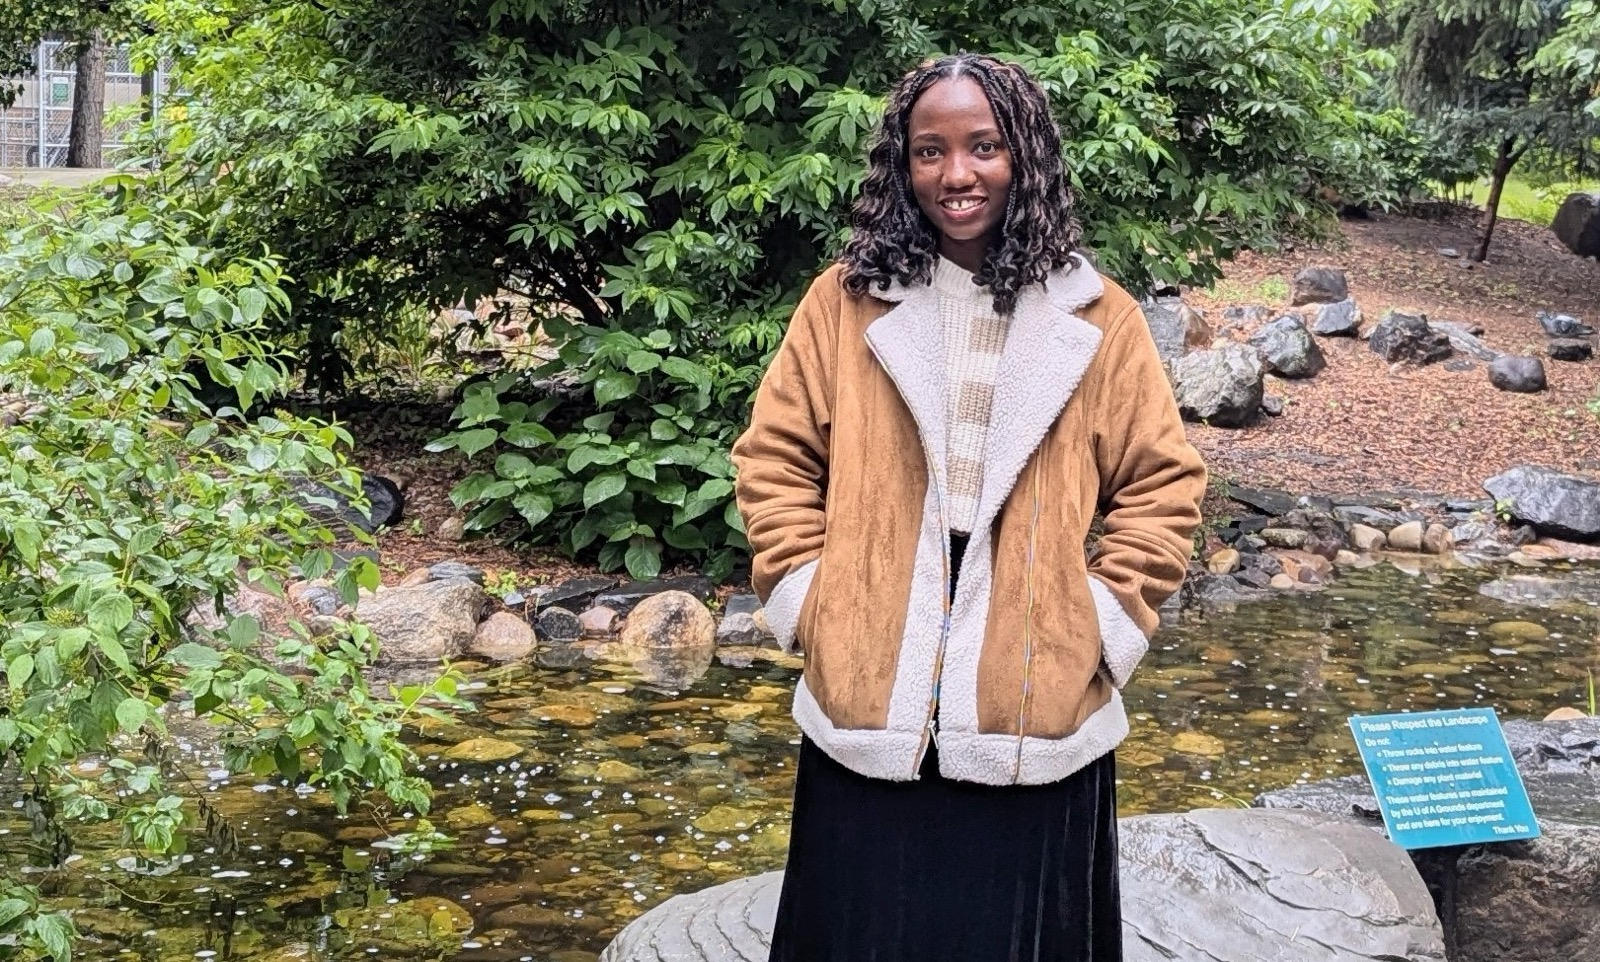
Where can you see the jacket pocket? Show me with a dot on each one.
(1122, 643)
(789, 604)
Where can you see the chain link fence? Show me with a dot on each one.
(34, 130)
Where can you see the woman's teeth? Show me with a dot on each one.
(961, 204)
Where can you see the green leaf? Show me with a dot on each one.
(252, 304)
(640, 362)
(663, 430)
(533, 506)
(19, 670)
(471, 442)
(526, 434)
(55, 932)
(112, 611)
(132, 713)
(614, 386)
(643, 559)
(192, 655)
(604, 487)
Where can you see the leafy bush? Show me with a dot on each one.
(127, 510)
(688, 166)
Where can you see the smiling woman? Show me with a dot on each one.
(952, 404)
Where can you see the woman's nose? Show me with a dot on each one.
(958, 172)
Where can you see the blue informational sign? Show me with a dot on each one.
(1444, 778)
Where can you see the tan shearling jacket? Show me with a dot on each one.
(840, 482)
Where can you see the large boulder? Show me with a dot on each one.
(672, 619)
(1224, 885)
(425, 622)
(1339, 319)
(1527, 901)
(1176, 327)
(1221, 386)
(1288, 349)
(1577, 224)
(503, 637)
(1319, 285)
(1407, 337)
(1556, 504)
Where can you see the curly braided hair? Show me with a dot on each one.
(892, 240)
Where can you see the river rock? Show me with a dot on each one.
(557, 626)
(1407, 337)
(625, 597)
(672, 619)
(1577, 224)
(451, 529)
(1366, 539)
(1526, 901)
(574, 594)
(1408, 537)
(423, 623)
(1244, 316)
(1224, 562)
(1563, 325)
(1520, 375)
(598, 623)
(1225, 885)
(1284, 537)
(740, 628)
(1339, 319)
(1268, 501)
(1556, 504)
(503, 637)
(484, 751)
(1437, 540)
(1569, 348)
(1288, 349)
(448, 570)
(1465, 339)
(1319, 285)
(1221, 386)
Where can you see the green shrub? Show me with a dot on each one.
(126, 510)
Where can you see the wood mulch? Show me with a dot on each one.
(1359, 426)
(1355, 428)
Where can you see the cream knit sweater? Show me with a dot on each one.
(974, 338)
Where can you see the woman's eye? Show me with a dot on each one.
(928, 153)
(988, 147)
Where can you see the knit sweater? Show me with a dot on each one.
(974, 339)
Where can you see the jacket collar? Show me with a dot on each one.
(1048, 349)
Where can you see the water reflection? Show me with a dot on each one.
(580, 795)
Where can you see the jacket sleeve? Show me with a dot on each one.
(1151, 484)
(782, 460)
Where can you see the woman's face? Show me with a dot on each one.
(960, 168)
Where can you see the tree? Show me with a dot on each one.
(662, 177)
(88, 27)
(1472, 66)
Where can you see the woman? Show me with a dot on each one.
(953, 402)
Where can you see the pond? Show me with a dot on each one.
(610, 795)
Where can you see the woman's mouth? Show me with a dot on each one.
(962, 205)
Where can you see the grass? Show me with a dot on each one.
(1524, 200)
(1271, 290)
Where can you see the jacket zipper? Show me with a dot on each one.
(928, 733)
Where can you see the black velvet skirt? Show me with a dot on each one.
(935, 870)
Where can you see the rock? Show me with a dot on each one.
(1461, 365)
(1226, 885)
(1282, 582)
(414, 578)
(1176, 327)
(574, 594)
(740, 628)
(1284, 537)
(743, 603)
(1366, 539)
(1224, 562)
(1514, 901)
(1346, 559)
(484, 751)
(1221, 386)
(1246, 316)
(1569, 348)
(1437, 540)
(452, 529)
(385, 504)
(1449, 252)
(424, 623)
(1565, 714)
(447, 570)
(1563, 325)
(424, 926)
(1464, 340)
(623, 598)
(1521, 375)
(315, 597)
(672, 619)
(1556, 504)
(1268, 501)
(598, 623)
(1222, 590)
(1319, 285)
(1288, 349)
(1272, 406)
(1401, 337)
(557, 626)
(1339, 319)
(503, 637)
(1577, 224)
(1408, 537)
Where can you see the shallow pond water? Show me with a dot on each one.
(608, 793)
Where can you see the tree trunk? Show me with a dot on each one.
(87, 139)
(1503, 162)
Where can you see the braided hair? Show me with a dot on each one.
(892, 240)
